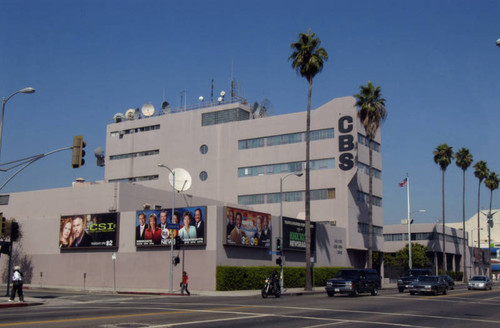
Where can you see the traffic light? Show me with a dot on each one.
(279, 261)
(2, 219)
(4, 247)
(77, 159)
(178, 242)
(278, 244)
(14, 231)
(177, 260)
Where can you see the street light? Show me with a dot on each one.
(498, 42)
(4, 101)
(479, 244)
(408, 222)
(298, 174)
(171, 237)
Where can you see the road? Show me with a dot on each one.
(460, 308)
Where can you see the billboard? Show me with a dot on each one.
(294, 235)
(247, 228)
(157, 228)
(88, 231)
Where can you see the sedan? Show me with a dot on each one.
(480, 282)
(428, 285)
(449, 280)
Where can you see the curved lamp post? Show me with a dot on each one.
(171, 237)
(4, 101)
(409, 222)
(298, 174)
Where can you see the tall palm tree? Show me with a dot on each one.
(492, 183)
(371, 113)
(481, 172)
(463, 159)
(442, 157)
(307, 59)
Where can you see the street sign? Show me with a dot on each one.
(274, 253)
(174, 226)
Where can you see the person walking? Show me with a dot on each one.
(17, 284)
(184, 284)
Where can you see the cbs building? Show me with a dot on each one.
(234, 166)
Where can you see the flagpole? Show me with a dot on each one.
(408, 221)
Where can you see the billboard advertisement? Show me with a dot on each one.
(294, 234)
(247, 228)
(157, 228)
(88, 231)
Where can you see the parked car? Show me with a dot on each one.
(480, 282)
(411, 275)
(353, 282)
(449, 280)
(428, 285)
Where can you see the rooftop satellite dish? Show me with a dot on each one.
(182, 179)
(264, 109)
(165, 107)
(118, 117)
(129, 114)
(148, 109)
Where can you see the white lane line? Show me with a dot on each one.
(208, 321)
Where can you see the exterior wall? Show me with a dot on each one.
(471, 228)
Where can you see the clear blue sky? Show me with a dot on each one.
(436, 62)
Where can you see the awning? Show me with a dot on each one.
(495, 267)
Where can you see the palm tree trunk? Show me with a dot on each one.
(444, 232)
(478, 223)
(308, 193)
(463, 229)
(489, 236)
(370, 207)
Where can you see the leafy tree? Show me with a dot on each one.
(442, 156)
(463, 159)
(307, 59)
(371, 113)
(481, 172)
(401, 258)
(492, 183)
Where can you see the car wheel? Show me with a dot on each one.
(412, 293)
(468, 288)
(355, 292)
(401, 290)
(374, 291)
(330, 294)
(435, 292)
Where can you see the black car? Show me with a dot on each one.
(449, 280)
(411, 275)
(428, 285)
(353, 282)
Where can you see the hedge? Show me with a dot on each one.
(246, 278)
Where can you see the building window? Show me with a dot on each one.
(364, 197)
(319, 164)
(204, 149)
(366, 170)
(362, 140)
(224, 116)
(135, 179)
(121, 133)
(290, 196)
(284, 139)
(203, 175)
(133, 155)
(363, 228)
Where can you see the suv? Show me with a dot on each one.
(353, 282)
(412, 275)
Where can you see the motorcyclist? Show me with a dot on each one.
(275, 281)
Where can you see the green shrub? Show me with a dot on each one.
(456, 275)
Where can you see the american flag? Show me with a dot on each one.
(403, 183)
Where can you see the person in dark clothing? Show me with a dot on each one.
(17, 285)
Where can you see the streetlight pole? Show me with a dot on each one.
(298, 174)
(409, 221)
(171, 236)
(4, 101)
(472, 233)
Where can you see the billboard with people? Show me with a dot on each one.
(88, 231)
(247, 228)
(159, 227)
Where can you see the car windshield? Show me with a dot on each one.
(427, 279)
(347, 274)
(479, 278)
(416, 273)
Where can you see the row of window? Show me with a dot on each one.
(252, 171)
(422, 236)
(224, 116)
(285, 139)
(366, 169)
(135, 179)
(365, 141)
(291, 196)
(364, 229)
(133, 155)
(121, 133)
(364, 197)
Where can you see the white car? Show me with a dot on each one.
(480, 282)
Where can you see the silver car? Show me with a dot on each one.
(480, 282)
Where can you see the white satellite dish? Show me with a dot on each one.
(118, 117)
(130, 114)
(182, 179)
(148, 109)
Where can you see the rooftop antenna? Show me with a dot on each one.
(212, 93)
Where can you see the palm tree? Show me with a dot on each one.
(463, 160)
(307, 59)
(481, 172)
(371, 113)
(492, 183)
(442, 157)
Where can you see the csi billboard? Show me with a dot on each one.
(88, 231)
(247, 228)
(157, 228)
(294, 234)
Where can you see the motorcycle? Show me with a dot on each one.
(271, 287)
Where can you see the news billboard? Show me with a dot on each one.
(294, 235)
(247, 228)
(158, 228)
(88, 231)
